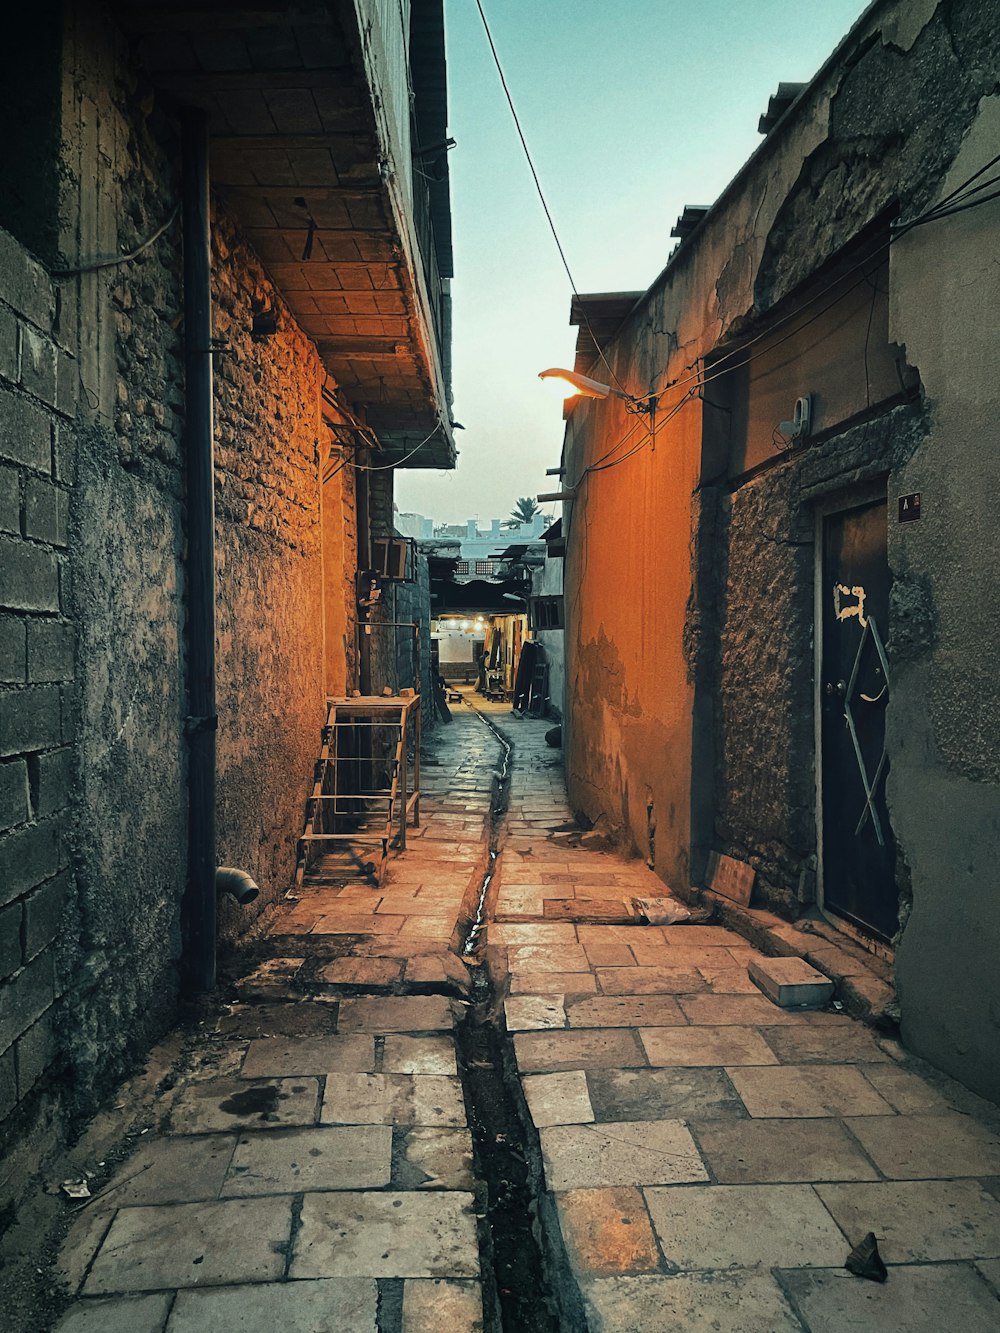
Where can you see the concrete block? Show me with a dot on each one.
(14, 807)
(8, 1083)
(38, 365)
(10, 939)
(50, 651)
(67, 382)
(8, 345)
(791, 982)
(30, 720)
(34, 1052)
(64, 452)
(29, 579)
(46, 511)
(26, 285)
(52, 779)
(43, 915)
(10, 500)
(25, 432)
(28, 857)
(13, 652)
(24, 998)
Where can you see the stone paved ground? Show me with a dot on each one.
(711, 1158)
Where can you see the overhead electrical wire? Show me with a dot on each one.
(541, 194)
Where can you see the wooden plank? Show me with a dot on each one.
(733, 879)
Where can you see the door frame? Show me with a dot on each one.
(837, 502)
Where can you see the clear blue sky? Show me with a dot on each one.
(631, 110)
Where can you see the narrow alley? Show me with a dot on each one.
(578, 1126)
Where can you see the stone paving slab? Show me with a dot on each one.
(342, 1158)
(396, 1013)
(659, 1152)
(744, 1226)
(225, 1104)
(625, 1012)
(192, 1245)
(541, 1052)
(920, 1146)
(418, 1055)
(336, 1305)
(172, 1170)
(657, 1094)
(679, 980)
(442, 1305)
(523, 1012)
(607, 1231)
(118, 1314)
(393, 1099)
(933, 1299)
(807, 1090)
(918, 1221)
(558, 1099)
(746, 1010)
(290, 1057)
(543, 983)
(706, 1046)
(386, 1235)
(907, 1093)
(426, 1158)
(705, 1303)
(777, 1151)
(371, 973)
(851, 1044)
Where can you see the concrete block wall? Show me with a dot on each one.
(37, 642)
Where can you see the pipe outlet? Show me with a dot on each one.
(237, 883)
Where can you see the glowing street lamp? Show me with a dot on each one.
(577, 385)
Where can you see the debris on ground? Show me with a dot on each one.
(669, 912)
(865, 1261)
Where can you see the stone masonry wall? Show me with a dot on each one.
(37, 383)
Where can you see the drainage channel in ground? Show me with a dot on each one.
(534, 1291)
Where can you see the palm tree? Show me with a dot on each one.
(523, 512)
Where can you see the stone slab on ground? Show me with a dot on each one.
(172, 1170)
(293, 1057)
(919, 1146)
(398, 1013)
(418, 1055)
(637, 1152)
(525, 1012)
(348, 1157)
(807, 1090)
(117, 1314)
(393, 1099)
(702, 1303)
(847, 1044)
(193, 1245)
(781, 1151)
(442, 1305)
(558, 1099)
(386, 1235)
(656, 1094)
(918, 1221)
(744, 1226)
(225, 1104)
(920, 1299)
(607, 1231)
(427, 1158)
(545, 1052)
(645, 980)
(370, 973)
(706, 1046)
(335, 1305)
(791, 982)
(632, 1011)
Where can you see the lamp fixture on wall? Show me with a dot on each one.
(584, 387)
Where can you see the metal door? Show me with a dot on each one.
(859, 853)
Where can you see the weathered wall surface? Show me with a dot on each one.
(37, 665)
(269, 584)
(944, 729)
(722, 735)
(548, 582)
(93, 794)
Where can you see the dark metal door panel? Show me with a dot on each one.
(859, 853)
